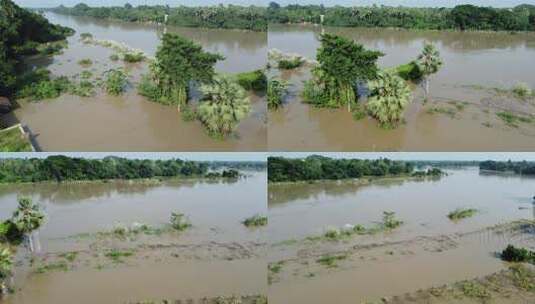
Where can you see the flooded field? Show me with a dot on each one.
(465, 94)
(131, 122)
(83, 255)
(427, 250)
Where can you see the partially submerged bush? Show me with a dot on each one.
(85, 36)
(409, 71)
(85, 62)
(288, 64)
(116, 82)
(133, 57)
(10, 233)
(390, 221)
(522, 90)
(45, 87)
(188, 114)
(461, 213)
(255, 80)
(83, 89)
(114, 57)
(277, 88)
(514, 254)
(256, 221)
(179, 221)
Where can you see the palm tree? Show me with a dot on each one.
(389, 96)
(429, 62)
(6, 264)
(28, 217)
(225, 104)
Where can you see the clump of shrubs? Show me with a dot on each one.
(292, 63)
(179, 221)
(85, 62)
(253, 81)
(115, 82)
(522, 90)
(133, 57)
(256, 221)
(277, 88)
(521, 255)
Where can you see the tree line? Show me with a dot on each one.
(316, 167)
(22, 33)
(523, 167)
(61, 168)
(226, 17)
(461, 17)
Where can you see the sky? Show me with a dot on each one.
(425, 3)
(261, 156)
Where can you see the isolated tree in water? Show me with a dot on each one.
(389, 96)
(225, 104)
(6, 264)
(178, 62)
(429, 62)
(343, 62)
(28, 217)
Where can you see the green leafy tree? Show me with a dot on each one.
(28, 217)
(225, 104)
(429, 62)
(342, 64)
(180, 61)
(6, 265)
(389, 97)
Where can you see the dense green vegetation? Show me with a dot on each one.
(288, 64)
(256, 221)
(461, 17)
(179, 61)
(461, 213)
(389, 96)
(221, 16)
(12, 140)
(38, 85)
(523, 167)
(23, 33)
(316, 167)
(62, 168)
(342, 64)
(514, 254)
(225, 104)
(253, 81)
(277, 89)
(116, 81)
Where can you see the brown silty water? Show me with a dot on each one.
(192, 264)
(130, 122)
(427, 250)
(475, 64)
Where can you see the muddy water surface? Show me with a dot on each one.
(427, 250)
(474, 64)
(191, 264)
(131, 122)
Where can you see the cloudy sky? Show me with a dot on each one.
(441, 3)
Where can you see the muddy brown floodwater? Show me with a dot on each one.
(475, 64)
(131, 122)
(427, 250)
(192, 264)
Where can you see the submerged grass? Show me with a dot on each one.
(461, 213)
(117, 255)
(256, 221)
(512, 119)
(12, 140)
(56, 266)
(330, 261)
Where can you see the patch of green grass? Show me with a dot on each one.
(57, 266)
(86, 74)
(117, 255)
(254, 80)
(390, 221)
(85, 62)
(409, 71)
(69, 256)
(188, 114)
(288, 64)
(86, 35)
(359, 112)
(12, 140)
(462, 213)
(442, 110)
(475, 290)
(512, 120)
(523, 277)
(114, 57)
(330, 261)
(522, 90)
(256, 221)
(133, 57)
(275, 267)
(52, 48)
(83, 89)
(179, 221)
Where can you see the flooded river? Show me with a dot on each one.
(130, 122)
(475, 63)
(427, 250)
(192, 264)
